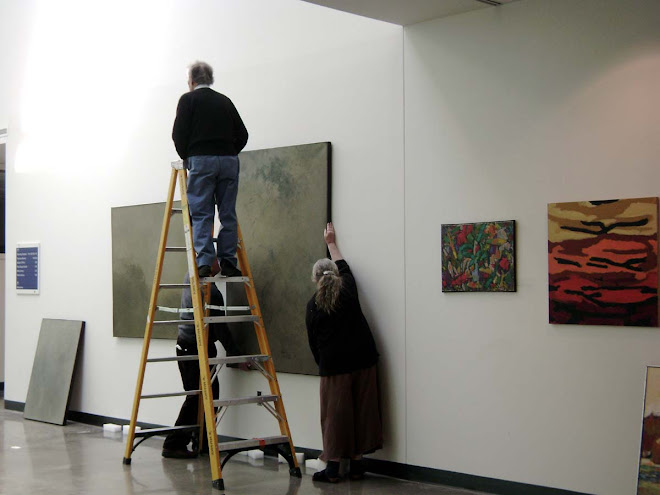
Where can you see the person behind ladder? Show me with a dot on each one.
(208, 134)
(176, 443)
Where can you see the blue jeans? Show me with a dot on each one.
(213, 180)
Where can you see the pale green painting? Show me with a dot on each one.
(283, 206)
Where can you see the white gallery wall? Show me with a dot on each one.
(507, 110)
(499, 111)
(91, 102)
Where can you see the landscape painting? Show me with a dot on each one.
(603, 262)
(283, 206)
(648, 481)
(479, 257)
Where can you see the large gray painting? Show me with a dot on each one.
(283, 206)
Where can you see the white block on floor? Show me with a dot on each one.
(299, 455)
(255, 454)
(125, 429)
(314, 464)
(111, 427)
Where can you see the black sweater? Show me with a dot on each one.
(341, 341)
(207, 123)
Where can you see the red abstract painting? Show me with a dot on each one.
(603, 262)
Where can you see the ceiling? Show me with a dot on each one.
(405, 12)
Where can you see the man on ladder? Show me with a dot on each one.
(208, 135)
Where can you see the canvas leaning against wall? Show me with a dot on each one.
(648, 481)
(479, 257)
(603, 262)
(283, 206)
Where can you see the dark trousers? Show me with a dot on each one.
(190, 377)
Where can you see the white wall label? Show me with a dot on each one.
(27, 268)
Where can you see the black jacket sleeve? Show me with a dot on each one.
(347, 279)
(182, 125)
(240, 131)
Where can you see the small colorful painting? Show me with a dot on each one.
(648, 480)
(603, 262)
(479, 257)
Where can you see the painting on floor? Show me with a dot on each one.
(479, 257)
(603, 262)
(648, 480)
(283, 206)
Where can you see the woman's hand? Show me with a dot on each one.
(329, 234)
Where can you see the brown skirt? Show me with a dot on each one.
(350, 414)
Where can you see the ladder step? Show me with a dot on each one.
(252, 443)
(209, 306)
(260, 358)
(174, 310)
(148, 432)
(231, 319)
(220, 278)
(231, 308)
(257, 399)
(170, 394)
(177, 210)
(207, 280)
(174, 286)
(211, 319)
(175, 249)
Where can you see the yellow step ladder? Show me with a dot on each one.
(213, 410)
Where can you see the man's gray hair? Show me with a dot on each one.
(201, 73)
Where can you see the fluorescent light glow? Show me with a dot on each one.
(88, 75)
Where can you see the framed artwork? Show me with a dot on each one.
(648, 479)
(603, 262)
(479, 257)
(283, 206)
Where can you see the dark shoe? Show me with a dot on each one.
(229, 270)
(329, 475)
(204, 271)
(356, 471)
(324, 477)
(182, 453)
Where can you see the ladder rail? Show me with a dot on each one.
(264, 346)
(150, 317)
(201, 331)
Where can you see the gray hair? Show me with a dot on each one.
(201, 73)
(325, 275)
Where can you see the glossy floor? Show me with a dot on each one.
(38, 458)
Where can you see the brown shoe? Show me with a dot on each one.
(182, 453)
